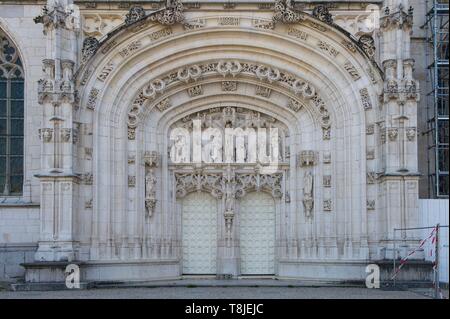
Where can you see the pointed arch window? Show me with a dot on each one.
(11, 118)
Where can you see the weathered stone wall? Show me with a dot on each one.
(19, 233)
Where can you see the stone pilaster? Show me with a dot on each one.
(59, 136)
(398, 124)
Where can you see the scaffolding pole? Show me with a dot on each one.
(437, 26)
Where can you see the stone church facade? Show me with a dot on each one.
(119, 98)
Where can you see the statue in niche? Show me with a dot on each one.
(150, 192)
(274, 146)
(216, 153)
(308, 200)
(229, 197)
(229, 189)
(179, 152)
(240, 149)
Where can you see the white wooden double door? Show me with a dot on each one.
(256, 232)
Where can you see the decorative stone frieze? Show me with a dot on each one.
(215, 183)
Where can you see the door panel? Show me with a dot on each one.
(257, 234)
(199, 231)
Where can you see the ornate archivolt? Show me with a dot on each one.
(284, 12)
(154, 93)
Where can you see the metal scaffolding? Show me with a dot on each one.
(437, 24)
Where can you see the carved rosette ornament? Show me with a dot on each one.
(135, 14)
(171, 14)
(285, 12)
(321, 13)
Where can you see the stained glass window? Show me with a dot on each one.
(11, 118)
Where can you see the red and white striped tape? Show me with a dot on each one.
(422, 242)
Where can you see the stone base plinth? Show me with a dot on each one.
(341, 271)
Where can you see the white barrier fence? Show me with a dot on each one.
(432, 212)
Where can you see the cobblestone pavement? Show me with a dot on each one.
(218, 293)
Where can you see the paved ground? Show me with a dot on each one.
(217, 293)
